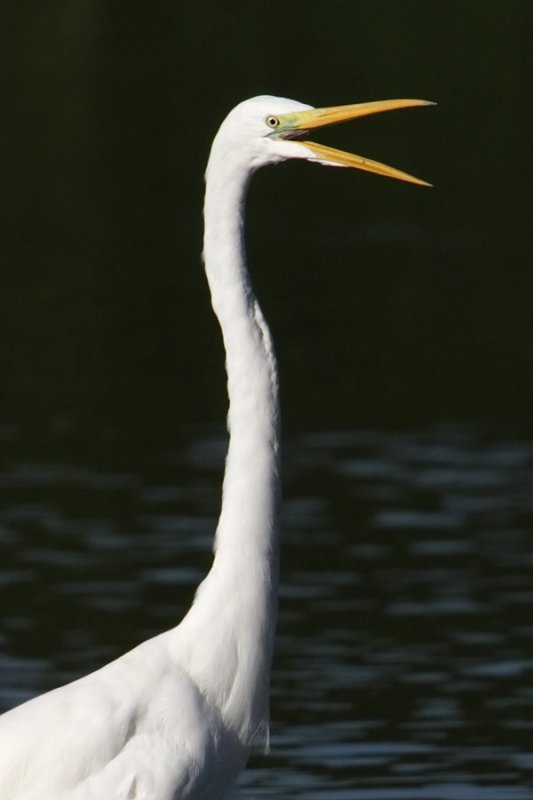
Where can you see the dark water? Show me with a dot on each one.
(404, 659)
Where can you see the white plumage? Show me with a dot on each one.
(176, 717)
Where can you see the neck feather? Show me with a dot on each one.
(236, 605)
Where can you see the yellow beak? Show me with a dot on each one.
(296, 125)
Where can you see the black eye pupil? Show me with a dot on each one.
(273, 122)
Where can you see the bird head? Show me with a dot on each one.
(272, 129)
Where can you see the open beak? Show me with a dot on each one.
(296, 126)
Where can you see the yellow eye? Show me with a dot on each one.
(272, 122)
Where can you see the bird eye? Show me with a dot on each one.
(272, 122)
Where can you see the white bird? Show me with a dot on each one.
(175, 718)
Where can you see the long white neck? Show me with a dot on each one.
(232, 621)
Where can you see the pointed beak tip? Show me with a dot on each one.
(304, 121)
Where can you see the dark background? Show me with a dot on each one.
(403, 324)
(391, 305)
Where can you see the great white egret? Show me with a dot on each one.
(174, 719)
